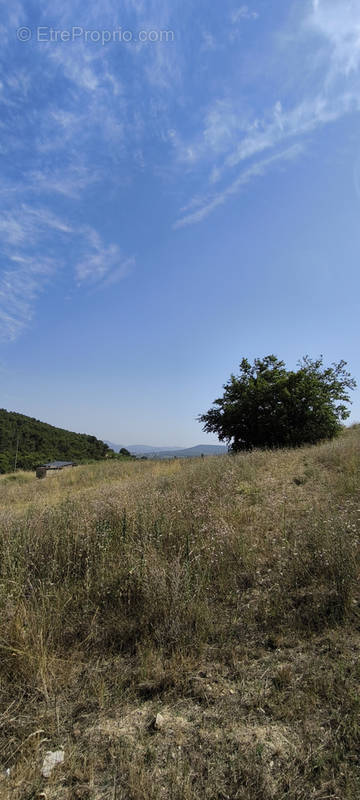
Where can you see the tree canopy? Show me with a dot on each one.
(267, 405)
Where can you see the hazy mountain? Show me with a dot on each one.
(138, 449)
(171, 452)
(189, 452)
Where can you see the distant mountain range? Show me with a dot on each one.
(138, 449)
(171, 452)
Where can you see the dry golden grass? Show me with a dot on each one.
(222, 593)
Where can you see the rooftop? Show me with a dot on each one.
(57, 464)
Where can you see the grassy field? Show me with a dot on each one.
(220, 593)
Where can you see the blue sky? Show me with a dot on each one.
(173, 203)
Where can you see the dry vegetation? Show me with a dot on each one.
(221, 593)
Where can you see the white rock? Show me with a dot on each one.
(50, 761)
(159, 722)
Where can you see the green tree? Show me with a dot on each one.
(267, 405)
(5, 463)
(125, 452)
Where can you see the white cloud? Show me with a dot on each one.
(210, 203)
(338, 22)
(286, 124)
(223, 121)
(25, 225)
(76, 63)
(72, 136)
(12, 16)
(69, 181)
(20, 286)
(125, 267)
(230, 137)
(101, 263)
(229, 134)
(12, 231)
(19, 82)
(100, 114)
(264, 135)
(28, 269)
(27, 237)
(244, 12)
(68, 121)
(42, 218)
(162, 69)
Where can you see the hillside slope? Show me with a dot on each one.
(37, 442)
(186, 629)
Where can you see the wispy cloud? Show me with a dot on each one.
(338, 22)
(12, 15)
(228, 131)
(269, 134)
(27, 235)
(223, 121)
(69, 181)
(69, 128)
(25, 225)
(20, 286)
(211, 202)
(27, 268)
(284, 124)
(243, 12)
(108, 116)
(101, 264)
(230, 136)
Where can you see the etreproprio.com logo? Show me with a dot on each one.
(46, 33)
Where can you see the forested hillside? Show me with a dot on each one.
(35, 442)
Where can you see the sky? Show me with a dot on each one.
(180, 188)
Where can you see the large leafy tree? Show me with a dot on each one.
(267, 405)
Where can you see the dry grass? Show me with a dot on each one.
(221, 592)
